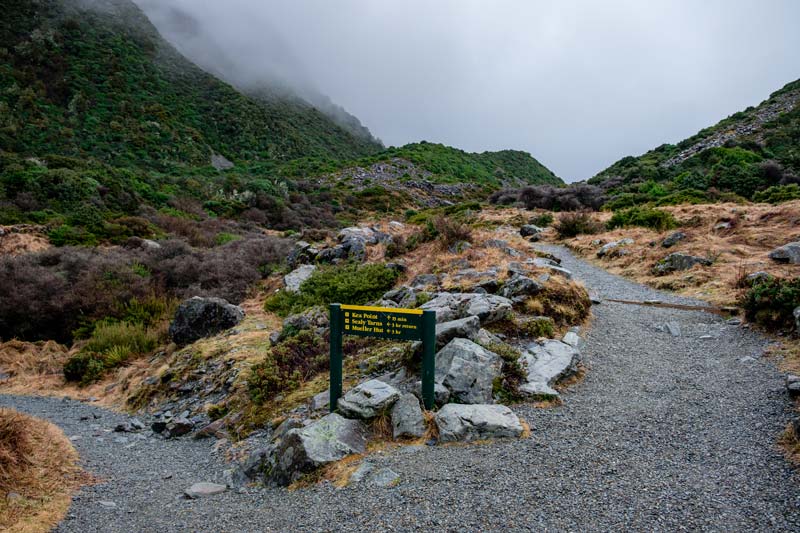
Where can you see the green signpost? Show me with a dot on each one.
(384, 323)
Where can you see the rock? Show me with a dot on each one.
(489, 286)
(673, 328)
(733, 321)
(203, 489)
(202, 317)
(294, 279)
(529, 230)
(177, 427)
(107, 504)
(302, 253)
(573, 339)
(385, 478)
(220, 162)
(673, 239)
(367, 235)
(722, 226)
(485, 337)
(285, 427)
(606, 249)
(316, 317)
(466, 328)
(329, 439)
(368, 399)
(520, 288)
(679, 261)
(361, 473)
(425, 280)
(546, 363)
(407, 418)
(452, 306)
(216, 429)
(321, 401)
(796, 314)
(788, 253)
(793, 385)
(476, 422)
(468, 370)
(755, 277)
(441, 394)
(403, 296)
(459, 247)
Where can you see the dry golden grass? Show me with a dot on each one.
(756, 230)
(790, 444)
(23, 243)
(38, 466)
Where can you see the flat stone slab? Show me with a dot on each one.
(203, 489)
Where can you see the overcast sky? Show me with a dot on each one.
(578, 84)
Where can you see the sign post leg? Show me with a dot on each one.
(336, 355)
(428, 357)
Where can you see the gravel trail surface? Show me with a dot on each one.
(665, 433)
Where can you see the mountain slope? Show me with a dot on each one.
(743, 154)
(102, 83)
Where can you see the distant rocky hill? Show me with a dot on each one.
(744, 154)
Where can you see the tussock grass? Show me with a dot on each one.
(39, 465)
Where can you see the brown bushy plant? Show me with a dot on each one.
(450, 231)
(566, 302)
(571, 225)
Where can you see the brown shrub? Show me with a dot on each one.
(566, 302)
(571, 225)
(451, 231)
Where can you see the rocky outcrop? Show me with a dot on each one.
(368, 399)
(468, 370)
(467, 423)
(545, 364)
(407, 418)
(451, 306)
(679, 261)
(294, 279)
(529, 230)
(612, 249)
(788, 253)
(520, 288)
(329, 439)
(302, 253)
(202, 317)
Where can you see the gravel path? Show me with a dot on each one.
(665, 433)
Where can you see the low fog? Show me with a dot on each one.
(577, 84)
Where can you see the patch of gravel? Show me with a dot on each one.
(665, 433)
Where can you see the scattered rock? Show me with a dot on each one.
(203, 489)
(573, 339)
(476, 422)
(294, 279)
(529, 230)
(452, 306)
(466, 328)
(321, 401)
(468, 370)
(756, 277)
(368, 399)
(177, 427)
(734, 321)
(220, 162)
(788, 253)
(485, 337)
(793, 385)
(679, 261)
(314, 318)
(459, 247)
(200, 317)
(402, 296)
(107, 504)
(407, 418)
(673, 239)
(302, 253)
(425, 280)
(673, 328)
(331, 438)
(606, 249)
(385, 478)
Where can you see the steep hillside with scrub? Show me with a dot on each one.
(753, 154)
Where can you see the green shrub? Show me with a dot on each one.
(350, 284)
(778, 194)
(770, 302)
(535, 327)
(543, 220)
(225, 238)
(287, 365)
(573, 224)
(506, 386)
(84, 368)
(643, 217)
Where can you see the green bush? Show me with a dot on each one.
(770, 302)
(111, 345)
(778, 194)
(643, 217)
(543, 220)
(350, 284)
(576, 223)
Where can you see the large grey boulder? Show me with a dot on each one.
(452, 306)
(466, 328)
(679, 261)
(302, 253)
(313, 318)
(788, 253)
(529, 230)
(468, 370)
(200, 317)
(407, 418)
(403, 296)
(520, 288)
(368, 399)
(545, 364)
(296, 277)
(476, 422)
(329, 439)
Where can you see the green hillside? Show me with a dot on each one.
(753, 154)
